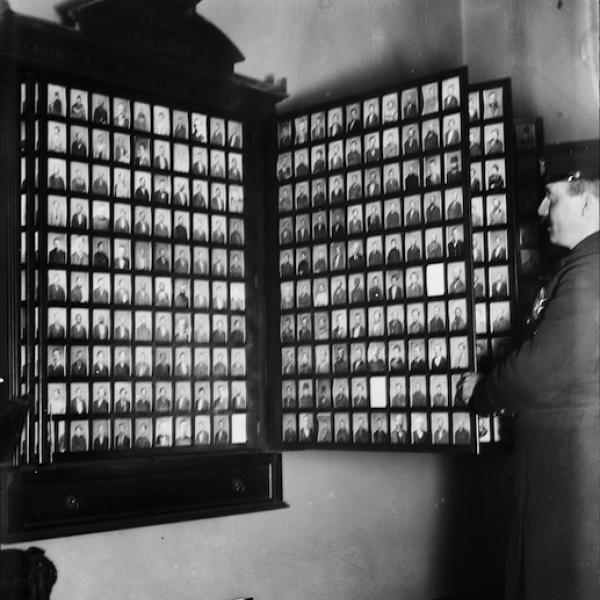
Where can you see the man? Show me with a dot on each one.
(123, 404)
(456, 246)
(143, 441)
(552, 382)
(122, 440)
(494, 145)
(56, 368)
(78, 330)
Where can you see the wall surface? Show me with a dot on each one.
(361, 526)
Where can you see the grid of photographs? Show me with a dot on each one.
(491, 189)
(375, 292)
(142, 249)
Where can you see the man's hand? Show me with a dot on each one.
(469, 381)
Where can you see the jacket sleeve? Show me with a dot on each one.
(559, 364)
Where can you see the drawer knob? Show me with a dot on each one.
(238, 486)
(72, 503)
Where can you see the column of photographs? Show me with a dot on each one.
(28, 450)
(491, 188)
(375, 279)
(144, 248)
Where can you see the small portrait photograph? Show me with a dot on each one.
(411, 142)
(459, 353)
(201, 328)
(496, 209)
(237, 293)
(121, 148)
(163, 367)
(121, 113)
(101, 398)
(481, 323)
(288, 394)
(432, 167)
(375, 286)
(101, 323)
(335, 122)
(57, 170)
(336, 155)
(143, 433)
(78, 105)
(434, 240)
(398, 429)
(371, 116)
(305, 393)
(141, 116)
(122, 361)
(306, 432)
(456, 278)
(183, 426)
(122, 218)
(412, 210)
(411, 176)
(304, 294)
(492, 103)
(57, 399)
(498, 282)
(439, 426)
(436, 317)
(355, 219)
(376, 357)
(79, 324)
(238, 428)
(219, 333)
(479, 283)
(497, 246)
(438, 390)
(495, 174)
(418, 391)
(431, 100)
(358, 358)
(142, 187)
(79, 177)
(79, 212)
(379, 428)
(414, 282)
(372, 182)
(474, 142)
(318, 160)
(181, 299)
(318, 193)
(389, 104)
(374, 251)
(198, 131)
(201, 365)
(101, 252)
(234, 167)
(397, 357)
(57, 285)
(450, 93)
(342, 431)
(79, 399)
(237, 336)
(358, 323)
(284, 166)
(162, 292)
(458, 316)
(57, 100)
(395, 320)
(461, 428)
(438, 355)
(220, 362)
(121, 183)
(301, 130)
(353, 118)
(451, 128)
(303, 261)
(57, 137)
(162, 223)
(181, 158)
(217, 164)
(353, 185)
(317, 126)
(391, 177)
(284, 134)
(319, 259)
(478, 246)
(526, 134)
(79, 437)
(162, 120)
(338, 224)
(285, 198)
(455, 242)
(199, 227)
(163, 437)
(219, 297)
(353, 151)
(321, 292)
(100, 180)
(456, 390)
(180, 125)
(474, 107)
(236, 263)
(390, 143)
(413, 250)
(376, 321)
(393, 218)
(339, 292)
(416, 319)
(162, 155)
(417, 356)
(289, 433)
(181, 226)
(238, 367)
(101, 149)
(420, 435)
(484, 429)
(322, 366)
(199, 161)
(500, 316)
(430, 134)
(218, 229)
(494, 138)
(57, 322)
(360, 428)
(340, 393)
(301, 194)
(319, 226)
(57, 211)
(287, 296)
(372, 151)
(453, 163)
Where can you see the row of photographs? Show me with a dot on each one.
(140, 151)
(435, 279)
(142, 186)
(360, 184)
(438, 355)
(101, 109)
(145, 361)
(486, 104)
(410, 103)
(116, 217)
(411, 211)
(372, 147)
(374, 391)
(375, 251)
(144, 326)
(425, 429)
(161, 432)
(162, 292)
(79, 398)
(122, 254)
